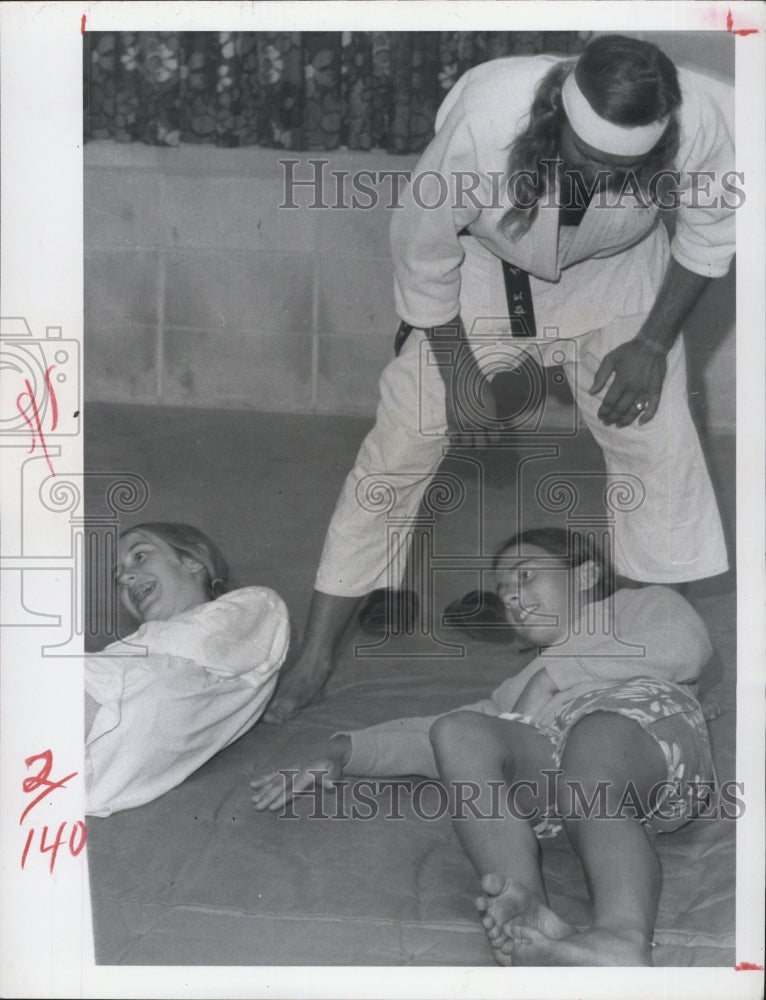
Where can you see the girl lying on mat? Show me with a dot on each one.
(192, 679)
(601, 733)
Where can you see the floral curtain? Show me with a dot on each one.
(286, 90)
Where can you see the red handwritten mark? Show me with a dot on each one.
(34, 422)
(748, 966)
(738, 31)
(32, 784)
(83, 19)
(77, 839)
(52, 395)
(77, 835)
(30, 837)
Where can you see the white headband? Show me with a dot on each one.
(618, 140)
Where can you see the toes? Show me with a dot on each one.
(502, 956)
(280, 712)
(523, 934)
(482, 904)
(272, 717)
(520, 920)
(493, 884)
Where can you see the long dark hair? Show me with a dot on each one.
(627, 82)
(573, 546)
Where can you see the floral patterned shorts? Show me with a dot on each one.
(673, 717)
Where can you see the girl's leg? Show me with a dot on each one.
(609, 766)
(479, 758)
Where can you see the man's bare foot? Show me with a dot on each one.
(508, 901)
(530, 946)
(280, 710)
(298, 686)
(301, 680)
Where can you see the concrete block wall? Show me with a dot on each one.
(201, 291)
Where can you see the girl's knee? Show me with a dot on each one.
(608, 759)
(601, 740)
(452, 730)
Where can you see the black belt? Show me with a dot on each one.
(518, 294)
(405, 329)
(521, 311)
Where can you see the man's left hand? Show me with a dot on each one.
(639, 371)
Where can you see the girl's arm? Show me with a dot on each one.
(389, 749)
(655, 632)
(274, 790)
(243, 633)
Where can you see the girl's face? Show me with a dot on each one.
(539, 591)
(155, 581)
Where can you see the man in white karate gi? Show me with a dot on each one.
(532, 227)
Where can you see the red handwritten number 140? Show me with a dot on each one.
(42, 781)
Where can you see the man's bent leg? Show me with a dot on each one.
(395, 464)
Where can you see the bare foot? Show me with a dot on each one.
(280, 710)
(506, 902)
(530, 946)
(299, 684)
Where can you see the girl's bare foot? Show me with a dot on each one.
(507, 901)
(530, 946)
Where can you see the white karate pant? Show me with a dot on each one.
(673, 535)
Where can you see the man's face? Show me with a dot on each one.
(587, 161)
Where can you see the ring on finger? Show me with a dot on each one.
(640, 404)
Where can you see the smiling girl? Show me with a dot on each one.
(601, 733)
(193, 678)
